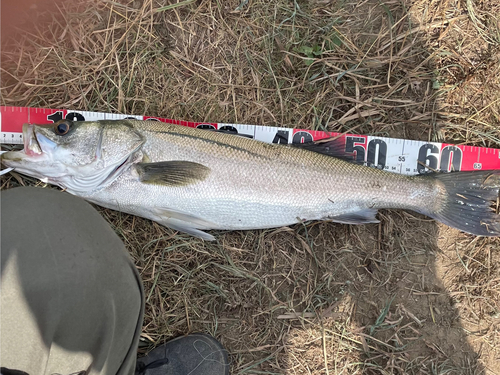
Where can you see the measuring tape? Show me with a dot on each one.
(392, 154)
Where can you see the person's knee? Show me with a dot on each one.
(53, 221)
(69, 270)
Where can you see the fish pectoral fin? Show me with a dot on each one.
(172, 173)
(364, 216)
(185, 222)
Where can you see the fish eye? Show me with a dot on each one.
(63, 127)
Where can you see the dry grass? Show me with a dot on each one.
(404, 297)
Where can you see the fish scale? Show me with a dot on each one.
(257, 185)
(194, 180)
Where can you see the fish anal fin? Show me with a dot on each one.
(172, 173)
(364, 216)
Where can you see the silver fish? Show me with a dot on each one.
(194, 180)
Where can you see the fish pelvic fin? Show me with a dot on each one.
(191, 231)
(184, 222)
(172, 173)
(471, 202)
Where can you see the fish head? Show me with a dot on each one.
(78, 156)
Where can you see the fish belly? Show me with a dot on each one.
(247, 203)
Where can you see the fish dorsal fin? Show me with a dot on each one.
(334, 147)
(172, 173)
(364, 216)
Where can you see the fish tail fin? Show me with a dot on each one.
(471, 202)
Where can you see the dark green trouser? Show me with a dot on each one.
(71, 298)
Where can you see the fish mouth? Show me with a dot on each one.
(31, 144)
(33, 151)
(36, 144)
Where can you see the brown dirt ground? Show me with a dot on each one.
(407, 296)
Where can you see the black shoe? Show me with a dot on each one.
(194, 354)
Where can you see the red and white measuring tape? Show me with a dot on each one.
(392, 154)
